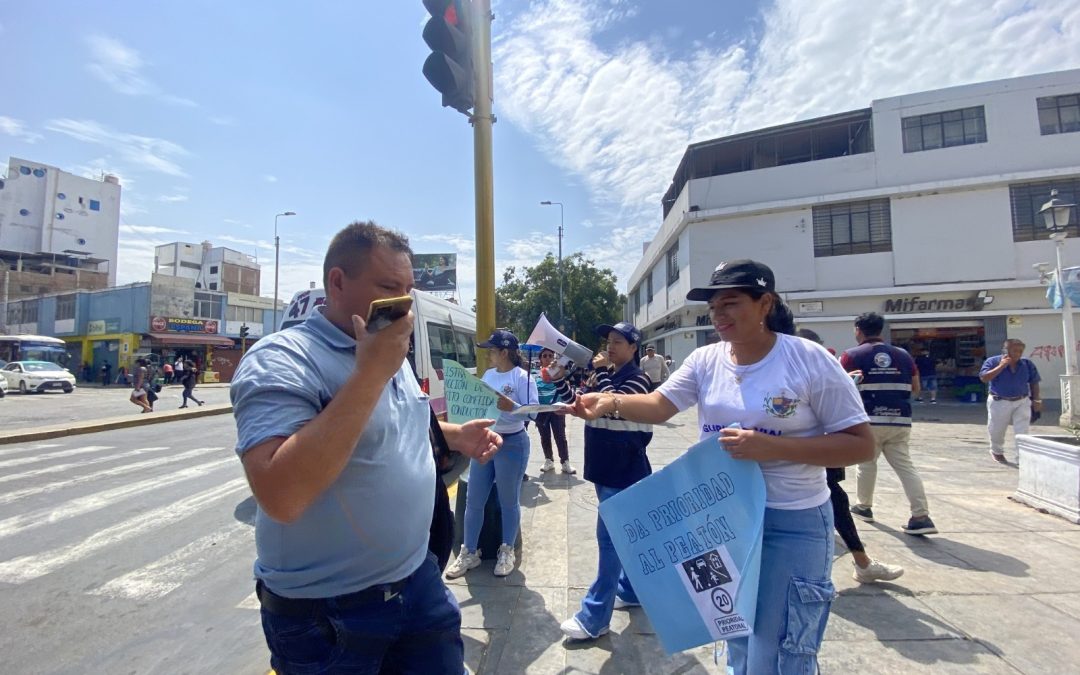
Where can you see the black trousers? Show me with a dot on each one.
(553, 424)
(845, 525)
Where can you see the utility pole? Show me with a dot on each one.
(482, 121)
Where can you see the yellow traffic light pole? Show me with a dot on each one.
(482, 121)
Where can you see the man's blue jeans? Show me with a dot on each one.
(795, 593)
(611, 581)
(416, 631)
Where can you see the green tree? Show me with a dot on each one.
(590, 298)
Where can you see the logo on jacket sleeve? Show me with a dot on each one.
(882, 360)
(782, 404)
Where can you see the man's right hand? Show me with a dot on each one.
(1006, 361)
(379, 355)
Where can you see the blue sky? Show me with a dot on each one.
(217, 115)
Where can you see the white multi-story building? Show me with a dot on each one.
(923, 208)
(213, 268)
(58, 231)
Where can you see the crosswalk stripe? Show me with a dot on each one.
(168, 573)
(57, 468)
(8, 463)
(107, 473)
(250, 602)
(81, 505)
(28, 567)
(15, 449)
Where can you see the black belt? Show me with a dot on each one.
(315, 607)
(512, 433)
(1007, 398)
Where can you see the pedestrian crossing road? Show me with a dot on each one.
(129, 551)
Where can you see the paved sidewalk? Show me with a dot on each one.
(994, 592)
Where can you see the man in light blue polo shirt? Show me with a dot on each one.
(1014, 394)
(333, 435)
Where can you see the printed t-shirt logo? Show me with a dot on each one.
(882, 360)
(782, 404)
(507, 389)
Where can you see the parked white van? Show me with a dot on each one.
(442, 330)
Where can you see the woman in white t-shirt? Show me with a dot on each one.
(507, 466)
(786, 394)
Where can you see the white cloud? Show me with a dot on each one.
(171, 199)
(120, 67)
(270, 179)
(16, 128)
(222, 120)
(621, 117)
(155, 154)
(127, 228)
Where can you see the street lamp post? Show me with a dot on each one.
(562, 320)
(1056, 214)
(277, 258)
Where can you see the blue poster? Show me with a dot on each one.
(689, 537)
(467, 396)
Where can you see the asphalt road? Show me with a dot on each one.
(128, 551)
(20, 411)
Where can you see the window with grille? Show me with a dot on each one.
(1027, 198)
(208, 306)
(65, 307)
(944, 129)
(1059, 114)
(852, 227)
(673, 264)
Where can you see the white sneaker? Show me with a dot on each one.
(465, 562)
(549, 465)
(504, 563)
(573, 629)
(567, 468)
(623, 604)
(876, 571)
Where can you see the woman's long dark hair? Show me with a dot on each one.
(515, 357)
(780, 319)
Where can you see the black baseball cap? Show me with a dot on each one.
(500, 339)
(736, 274)
(627, 330)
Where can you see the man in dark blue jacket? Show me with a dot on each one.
(887, 379)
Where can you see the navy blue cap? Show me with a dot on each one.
(627, 330)
(500, 339)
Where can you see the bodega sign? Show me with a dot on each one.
(916, 304)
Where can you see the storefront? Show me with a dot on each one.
(171, 338)
(958, 349)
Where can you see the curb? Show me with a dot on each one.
(109, 423)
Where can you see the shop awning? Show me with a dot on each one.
(192, 339)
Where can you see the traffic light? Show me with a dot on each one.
(449, 68)
(244, 331)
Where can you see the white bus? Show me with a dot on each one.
(33, 348)
(443, 330)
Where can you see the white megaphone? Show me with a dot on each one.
(545, 335)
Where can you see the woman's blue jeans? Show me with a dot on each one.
(611, 581)
(505, 470)
(794, 595)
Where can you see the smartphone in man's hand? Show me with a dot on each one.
(386, 311)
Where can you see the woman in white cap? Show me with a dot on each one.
(799, 412)
(507, 377)
(615, 459)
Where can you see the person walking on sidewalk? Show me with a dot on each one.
(1014, 394)
(549, 423)
(615, 459)
(507, 377)
(333, 433)
(191, 374)
(865, 569)
(106, 374)
(887, 379)
(138, 392)
(927, 375)
(654, 366)
(813, 419)
(167, 373)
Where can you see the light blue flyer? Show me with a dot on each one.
(467, 396)
(689, 537)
